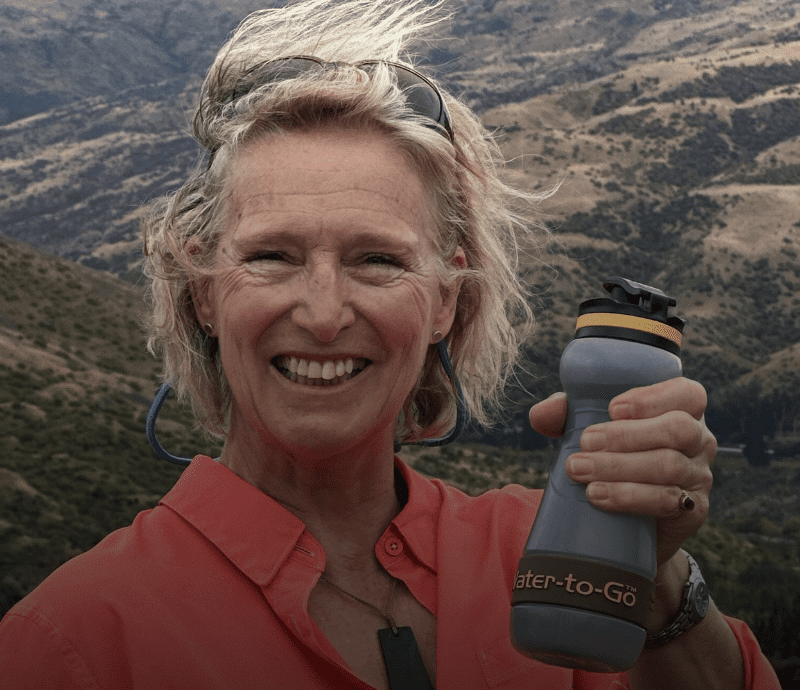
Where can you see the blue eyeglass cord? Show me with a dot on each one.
(452, 435)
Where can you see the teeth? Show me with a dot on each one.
(319, 372)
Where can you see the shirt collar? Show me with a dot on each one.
(257, 534)
(417, 523)
(251, 529)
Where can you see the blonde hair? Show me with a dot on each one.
(473, 207)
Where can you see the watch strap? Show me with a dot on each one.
(694, 605)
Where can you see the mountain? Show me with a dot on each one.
(684, 174)
(75, 386)
(671, 128)
(76, 383)
(94, 97)
(494, 51)
(59, 51)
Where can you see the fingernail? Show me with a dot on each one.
(592, 440)
(621, 411)
(597, 491)
(580, 466)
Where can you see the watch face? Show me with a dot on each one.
(701, 599)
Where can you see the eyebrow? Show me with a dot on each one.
(376, 240)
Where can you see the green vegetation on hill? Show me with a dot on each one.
(675, 136)
(76, 464)
(680, 174)
(75, 385)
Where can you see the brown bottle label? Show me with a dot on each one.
(583, 584)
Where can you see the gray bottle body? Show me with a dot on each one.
(569, 530)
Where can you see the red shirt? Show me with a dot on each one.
(210, 590)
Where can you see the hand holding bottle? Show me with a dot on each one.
(656, 445)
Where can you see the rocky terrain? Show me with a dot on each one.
(94, 97)
(671, 128)
(75, 387)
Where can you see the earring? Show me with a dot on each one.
(437, 336)
(462, 415)
(209, 329)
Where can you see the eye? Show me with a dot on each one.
(382, 260)
(268, 256)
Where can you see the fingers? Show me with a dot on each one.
(549, 416)
(663, 467)
(674, 525)
(652, 401)
(676, 430)
(641, 466)
(651, 459)
(663, 502)
(651, 486)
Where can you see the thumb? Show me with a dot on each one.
(549, 416)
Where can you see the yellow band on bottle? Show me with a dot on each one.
(633, 322)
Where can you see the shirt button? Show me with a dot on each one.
(394, 547)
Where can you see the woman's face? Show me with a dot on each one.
(326, 297)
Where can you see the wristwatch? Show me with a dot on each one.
(694, 606)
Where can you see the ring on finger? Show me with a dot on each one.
(685, 502)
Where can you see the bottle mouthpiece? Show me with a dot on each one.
(633, 312)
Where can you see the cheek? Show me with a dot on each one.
(244, 310)
(404, 321)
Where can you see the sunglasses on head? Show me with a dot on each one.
(421, 95)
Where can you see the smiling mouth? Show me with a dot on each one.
(309, 372)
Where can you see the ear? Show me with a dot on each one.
(204, 309)
(201, 290)
(443, 320)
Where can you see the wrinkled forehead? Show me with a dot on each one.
(329, 175)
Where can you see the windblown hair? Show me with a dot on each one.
(472, 207)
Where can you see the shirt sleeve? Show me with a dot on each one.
(759, 674)
(35, 656)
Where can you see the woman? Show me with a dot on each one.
(348, 219)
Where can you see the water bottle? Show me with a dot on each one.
(585, 582)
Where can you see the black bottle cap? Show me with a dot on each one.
(633, 312)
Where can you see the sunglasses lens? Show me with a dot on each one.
(290, 68)
(422, 96)
(419, 94)
(273, 71)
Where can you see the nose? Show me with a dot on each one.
(323, 307)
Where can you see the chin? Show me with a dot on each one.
(321, 443)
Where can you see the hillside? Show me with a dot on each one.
(679, 165)
(672, 128)
(684, 174)
(492, 51)
(97, 94)
(63, 51)
(75, 385)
